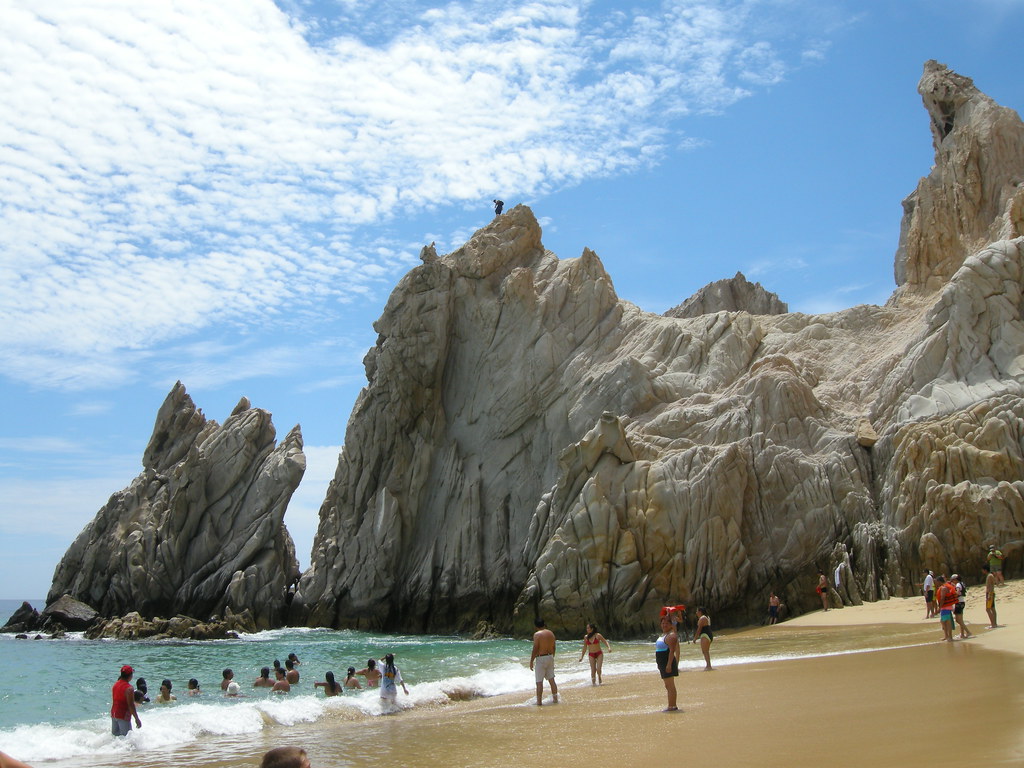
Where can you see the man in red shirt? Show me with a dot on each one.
(123, 709)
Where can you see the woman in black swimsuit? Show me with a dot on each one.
(704, 634)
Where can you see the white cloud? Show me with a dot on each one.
(165, 167)
(70, 497)
(775, 266)
(91, 408)
(40, 444)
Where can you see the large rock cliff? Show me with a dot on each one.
(974, 194)
(529, 443)
(200, 531)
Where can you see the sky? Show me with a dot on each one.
(225, 193)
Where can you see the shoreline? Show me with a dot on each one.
(926, 703)
(916, 702)
(934, 704)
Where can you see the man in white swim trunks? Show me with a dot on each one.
(542, 660)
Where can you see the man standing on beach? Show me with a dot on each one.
(542, 660)
(123, 708)
(990, 596)
(928, 590)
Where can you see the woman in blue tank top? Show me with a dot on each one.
(666, 656)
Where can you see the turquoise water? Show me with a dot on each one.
(55, 700)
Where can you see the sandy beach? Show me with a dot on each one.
(933, 704)
(920, 702)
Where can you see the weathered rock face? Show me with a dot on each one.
(69, 613)
(974, 194)
(529, 444)
(201, 530)
(25, 619)
(735, 294)
(133, 627)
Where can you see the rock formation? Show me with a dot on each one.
(25, 619)
(974, 194)
(133, 627)
(68, 613)
(735, 294)
(528, 443)
(200, 531)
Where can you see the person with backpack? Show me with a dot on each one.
(961, 602)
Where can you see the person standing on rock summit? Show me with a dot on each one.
(498, 205)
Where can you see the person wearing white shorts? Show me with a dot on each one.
(544, 668)
(542, 660)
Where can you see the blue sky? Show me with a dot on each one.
(225, 193)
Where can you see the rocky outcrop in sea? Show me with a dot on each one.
(200, 531)
(528, 443)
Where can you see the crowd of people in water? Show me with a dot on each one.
(127, 698)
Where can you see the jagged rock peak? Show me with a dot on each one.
(510, 240)
(527, 444)
(974, 194)
(201, 529)
(735, 294)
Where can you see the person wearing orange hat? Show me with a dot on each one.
(123, 709)
(674, 614)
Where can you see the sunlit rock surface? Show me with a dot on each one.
(200, 531)
(735, 294)
(528, 443)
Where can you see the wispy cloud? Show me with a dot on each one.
(168, 167)
(41, 444)
(91, 408)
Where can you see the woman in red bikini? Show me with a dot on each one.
(592, 644)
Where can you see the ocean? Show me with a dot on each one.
(55, 699)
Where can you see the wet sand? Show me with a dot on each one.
(938, 704)
(928, 703)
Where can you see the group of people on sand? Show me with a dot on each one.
(666, 652)
(542, 659)
(946, 599)
(125, 697)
